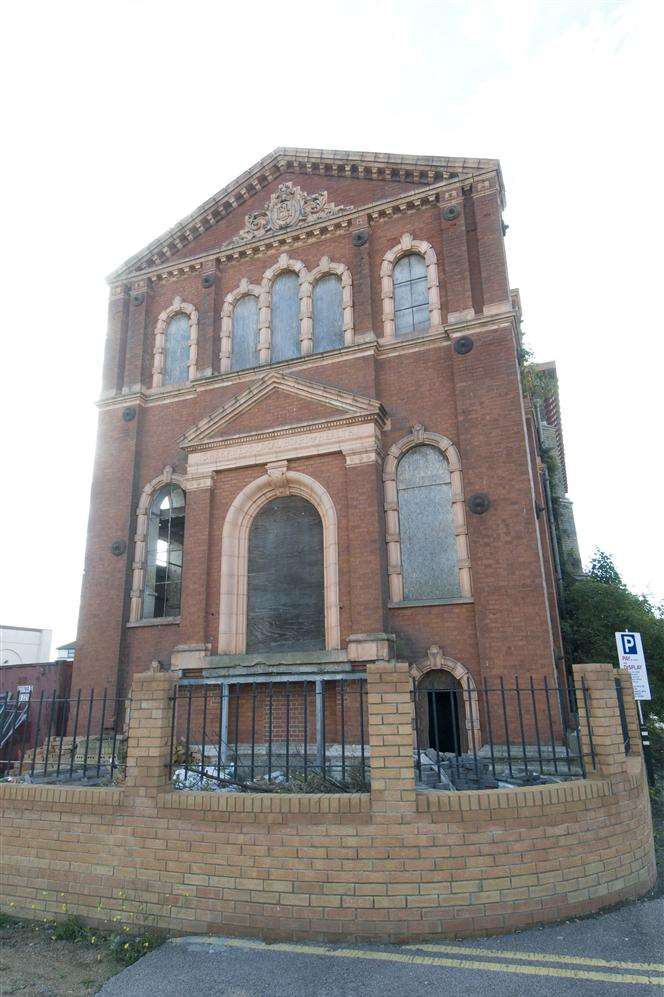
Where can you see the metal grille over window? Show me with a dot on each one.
(285, 317)
(285, 584)
(428, 543)
(328, 314)
(165, 543)
(411, 295)
(176, 350)
(245, 333)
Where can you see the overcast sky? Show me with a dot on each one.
(121, 117)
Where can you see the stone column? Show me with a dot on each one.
(600, 683)
(149, 732)
(390, 710)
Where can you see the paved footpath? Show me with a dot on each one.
(612, 954)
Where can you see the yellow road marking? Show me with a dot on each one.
(424, 960)
(652, 967)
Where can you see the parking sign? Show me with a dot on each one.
(630, 657)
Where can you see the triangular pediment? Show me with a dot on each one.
(280, 403)
(320, 184)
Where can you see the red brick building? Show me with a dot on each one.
(313, 434)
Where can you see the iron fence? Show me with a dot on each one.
(623, 717)
(498, 733)
(54, 739)
(301, 735)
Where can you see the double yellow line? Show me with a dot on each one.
(569, 967)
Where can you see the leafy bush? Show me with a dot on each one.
(70, 930)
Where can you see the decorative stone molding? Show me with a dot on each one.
(288, 207)
(176, 308)
(409, 245)
(326, 266)
(166, 477)
(235, 546)
(227, 310)
(283, 264)
(436, 661)
(417, 437)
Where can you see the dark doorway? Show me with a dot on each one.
(444, 728)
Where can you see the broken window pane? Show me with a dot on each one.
(328, 314)
(428, 543)
(176, 350)
(165, 543)
(285, 587)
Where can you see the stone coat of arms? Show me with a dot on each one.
(288, 206)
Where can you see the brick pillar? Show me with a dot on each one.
(137, 339)
(116, 341)
(195, 561)
(149, 732)
(208, 343)
(491, 244)
(455, 262)
(363, 319)
(604, 718)
(631, 712)
(367, 544)
(390, 710)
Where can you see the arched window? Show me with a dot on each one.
(245, 333)
(285, 317)
(165, 543)
(176, 350)
(285, 578)
(428, 543)
(328, 314)
(411, 295)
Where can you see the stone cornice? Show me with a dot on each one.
(148, 263)
(296, 429)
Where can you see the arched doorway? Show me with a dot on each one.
(441, 713)
(285, 577)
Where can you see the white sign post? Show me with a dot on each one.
(631, 658)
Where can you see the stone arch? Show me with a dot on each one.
(409, 245)
(178, 306)
(227, 310)
(283, 264)
(326, 266)
(167, 477)
(278, 481)
(436, 661)
(417, 437)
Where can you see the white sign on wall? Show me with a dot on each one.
(630, 657)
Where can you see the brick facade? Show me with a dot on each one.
(509, 623)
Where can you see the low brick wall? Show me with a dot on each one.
(393, 865)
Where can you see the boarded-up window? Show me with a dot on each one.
(411, 295)
(165, 543)
(285, 588)
(428, 544)
(328, 314)
(176, 350)
(245, 333)
(285, 317)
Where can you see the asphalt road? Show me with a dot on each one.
(612, 954)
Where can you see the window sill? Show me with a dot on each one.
(160, 621)
(460, 601)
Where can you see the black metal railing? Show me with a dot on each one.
(50, 738)
(623, 717)
(298, 735)
(499, 733)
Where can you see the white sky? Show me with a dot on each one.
(120, 117)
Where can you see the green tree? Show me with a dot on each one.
(598, 605)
